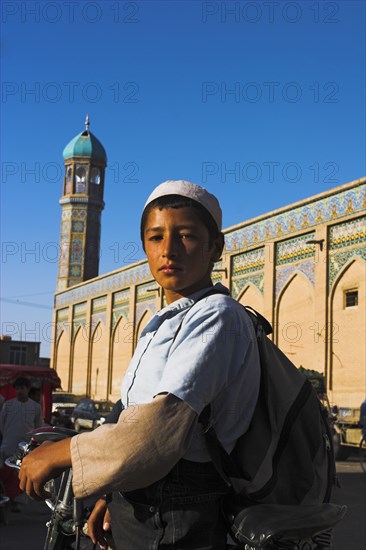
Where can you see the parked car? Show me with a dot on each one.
(89, 414)
(63, 404)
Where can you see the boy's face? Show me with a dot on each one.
(177, 249)
(22, 393)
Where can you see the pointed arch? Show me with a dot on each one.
(80, 356)
(251, 296)
(98, 381)
(145, 318)
(62, 359)
(346, 331)
(121, 353)
(294, 321)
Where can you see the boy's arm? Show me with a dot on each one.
(141, 448)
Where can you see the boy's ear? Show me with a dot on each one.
(218, 246)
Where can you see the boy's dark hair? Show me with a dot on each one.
(177, 201)
(21, 381)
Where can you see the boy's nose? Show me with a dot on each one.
(170, 248)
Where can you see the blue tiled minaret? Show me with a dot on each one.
(82, 204)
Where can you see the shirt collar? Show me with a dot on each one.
(180, 305)
(188, 301)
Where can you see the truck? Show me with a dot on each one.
(347, 431)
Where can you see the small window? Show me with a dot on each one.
(68, 180)
(95, 175)
(80, 178)
(351, 298)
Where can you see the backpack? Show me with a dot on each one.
(286, 456)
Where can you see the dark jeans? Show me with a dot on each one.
(179, 512)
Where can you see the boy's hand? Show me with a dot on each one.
(98, 523)
(46, 462)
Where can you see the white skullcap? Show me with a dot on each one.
(191, 191)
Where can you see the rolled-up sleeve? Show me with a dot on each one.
(141, 448)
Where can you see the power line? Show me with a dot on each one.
(21, 303)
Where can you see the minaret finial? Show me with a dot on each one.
(87, 123)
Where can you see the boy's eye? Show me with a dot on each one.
(188, 236)
(155, 238)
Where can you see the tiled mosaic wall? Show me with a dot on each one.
(346, 240)
(295, 255)
(305, 216)
(247, 268)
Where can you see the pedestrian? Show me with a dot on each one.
(163, 490)
(17, 417)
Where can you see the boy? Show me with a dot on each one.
(199, 349)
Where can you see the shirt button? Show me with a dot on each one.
(151, 508)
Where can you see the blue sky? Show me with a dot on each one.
(263, 102)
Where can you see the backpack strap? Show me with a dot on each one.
(210, 292)
(219, 457)
(222, 461)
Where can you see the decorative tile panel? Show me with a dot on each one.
(80, 309)
(295, 250)
(346, 240)
(120, 306)
(79, 317)
(349, 233)
(295, 255)
(62, 315)
(217, 274)
(142, 307)
(98, 311)
(247, 268)
(77, 227)
(147, 292)
(109, 283)
(99, 304)
(294, 219)
(62, 324)
(284, 273)
(121, 298)
(238, 284)
(253, 260)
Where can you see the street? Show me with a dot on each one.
(27, 531)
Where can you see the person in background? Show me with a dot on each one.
(35, 394)
(17, 417)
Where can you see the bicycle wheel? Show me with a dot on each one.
(363, 454)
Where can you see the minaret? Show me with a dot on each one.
(82, 204)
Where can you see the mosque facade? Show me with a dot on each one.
(302, 266)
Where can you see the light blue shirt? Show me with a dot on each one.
(213, 358)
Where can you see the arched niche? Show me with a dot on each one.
(80, 361)
(252, 296)
(122, 345)
(99, 363)
(346, 336)
(145, 318)
(294, 326)
(62, 359)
